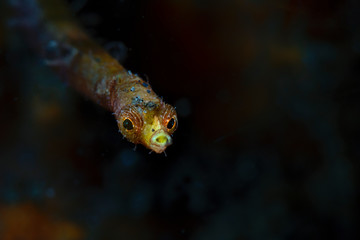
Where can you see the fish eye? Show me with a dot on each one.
(171, 123)
(128, 124)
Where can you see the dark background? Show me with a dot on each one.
(268, 98)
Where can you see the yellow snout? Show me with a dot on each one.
(160, 140)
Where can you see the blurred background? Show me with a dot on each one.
(268, 98)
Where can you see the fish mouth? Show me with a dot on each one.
(159, 141)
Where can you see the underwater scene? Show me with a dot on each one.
(262, 141)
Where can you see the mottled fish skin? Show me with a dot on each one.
(142, 117)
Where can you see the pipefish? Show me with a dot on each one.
(141, 115)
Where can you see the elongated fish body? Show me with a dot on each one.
(142, 117)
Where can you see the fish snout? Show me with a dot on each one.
(160, 140)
